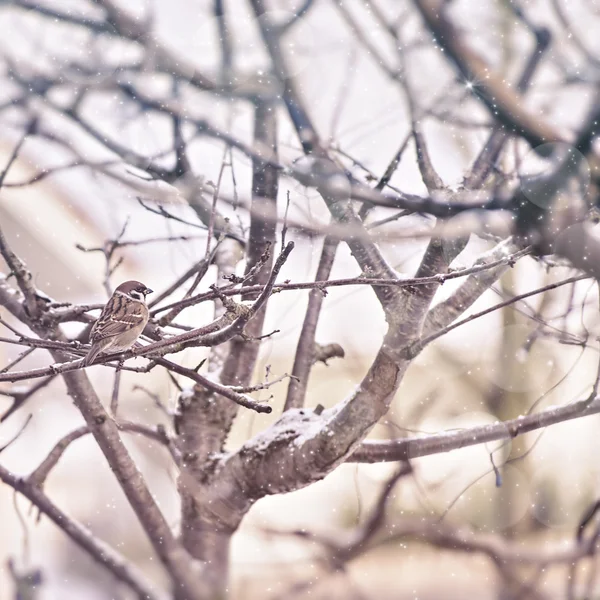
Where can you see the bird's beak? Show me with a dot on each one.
(147, 291)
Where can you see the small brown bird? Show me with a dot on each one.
(121, 322)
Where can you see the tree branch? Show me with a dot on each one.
(303, 361)
(499, 98)
(100, 553)
(414, 447)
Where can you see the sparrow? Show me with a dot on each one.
(121, 322)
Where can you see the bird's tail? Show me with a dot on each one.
(91, 355)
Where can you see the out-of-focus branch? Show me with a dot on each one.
(38, 477)
(441, 250)
(98, 551)
(225, 39)
(344, 546)
(320, 177)
(21, 396)
(178, 282)
(296, 17)
(376, 518)
(580, 245)
(138, 30)
(371, 50)
(93, 25)
(13, 363)
(499, 98)
(384, 180)
(444, 535)
(16, 436)
(17, 267)
(572, 35)
(40, 474)
(430, 177)
(17, 149)
(487, 157)
(12, 299)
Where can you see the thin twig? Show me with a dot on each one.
(22, 275)
(17, 360)
(217, 388)
(17, 435)
(114, 400)
(38, 477)
(418, 346)
(17, 149)
(371, 281)
(19, 397)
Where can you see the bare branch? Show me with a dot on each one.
(414, 447)
(445, 312)
(21, 396)
(420, 344)
(16, 436)
(303, 360)
(99, 552)
(222, 390)
(38, 477)
(500, 99)
(22, 275)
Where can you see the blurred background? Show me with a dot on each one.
(350, 70)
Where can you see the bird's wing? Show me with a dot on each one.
(119, 316)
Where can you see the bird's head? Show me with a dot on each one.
(134, 289)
